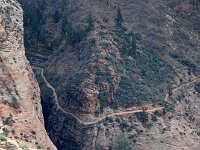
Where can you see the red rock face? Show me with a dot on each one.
(19, 91)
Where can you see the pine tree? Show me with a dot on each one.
(90, 21)
(132, 49)
(64, 3)
(56, 16)
(119, 19)
(73, 34)
(64, 24)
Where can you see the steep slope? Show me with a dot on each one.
(150, 58)
(20, 107)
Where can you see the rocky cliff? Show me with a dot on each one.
(20, 107)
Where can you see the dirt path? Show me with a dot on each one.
(186, 84)
(179, 87)
(36, 54)
(99, 119)
(123, 113)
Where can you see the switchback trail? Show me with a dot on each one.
(186, 84)
(99, 119)
(123, 113)
(179, 87)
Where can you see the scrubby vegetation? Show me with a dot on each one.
(121, 143)
(9, 120)
(143, 117)
(123, 58)
(139, 81)
(16, 103)
(186, 62)
(5, 132)
(23, 146)
(2, 137)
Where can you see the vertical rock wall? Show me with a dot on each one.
(19, 91)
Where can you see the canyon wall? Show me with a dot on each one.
(20, 106)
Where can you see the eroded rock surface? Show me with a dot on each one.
(20, 105)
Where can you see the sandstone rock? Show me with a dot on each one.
(19, 91)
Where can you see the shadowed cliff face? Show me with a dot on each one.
(20, 105)
(98, 70)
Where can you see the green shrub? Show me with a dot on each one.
(154, 118)
(15, 102)
(121, 142)
(33, 132)
(97, 112)
(142, 117)
(109, 119)
(169, 106)
(2, 137)
(5, 131)
(175, 55)
(123, 125)
(13, 132)
(39, 146)
(189, 64)
(138, 36)
(23, 146)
